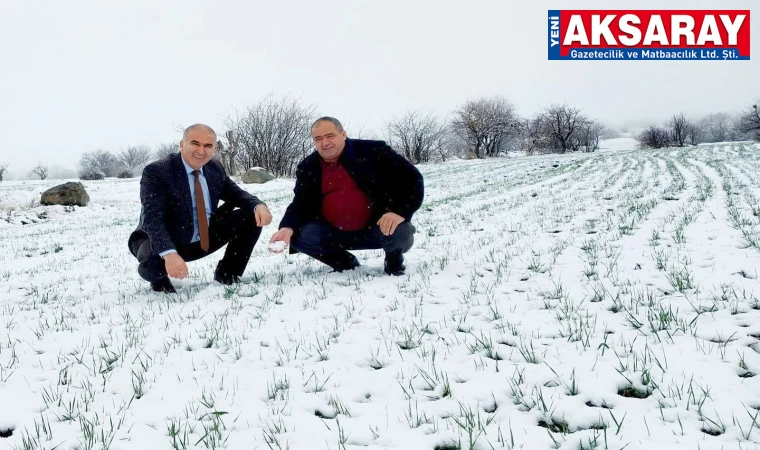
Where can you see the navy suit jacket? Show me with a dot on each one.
(166, 217)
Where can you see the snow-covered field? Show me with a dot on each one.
(586, 301)
(617, 144)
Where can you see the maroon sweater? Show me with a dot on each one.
(344, 205)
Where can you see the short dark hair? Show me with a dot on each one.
(334, 121)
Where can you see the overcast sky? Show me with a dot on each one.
(81, 75)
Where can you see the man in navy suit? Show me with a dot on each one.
(181, 221)
(351, 194)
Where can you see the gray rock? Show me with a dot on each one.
(256, 175)
(67, 194)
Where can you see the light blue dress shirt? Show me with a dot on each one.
(206, 199)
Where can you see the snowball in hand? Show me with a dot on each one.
(277, 246)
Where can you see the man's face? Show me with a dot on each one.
(328, 140)
(198, 148)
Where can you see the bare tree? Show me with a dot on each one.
(133, 157)
(99, 162)
(654, 137)
(561, 121)
(580, 139)
(273, 133)
(361, 131)
(3, 169)
(533, 135)
(694, 134)
(416, 136)
(449, 145)
(165, 149)
(588, 135)
(738, 132)
(486, 124)
(40, 170)
(715, 127)
(679, 129)
(749, 121)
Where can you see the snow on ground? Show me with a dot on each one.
(582, 301)
(618, 144)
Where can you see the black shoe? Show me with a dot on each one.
(163, 285)
(347, 262)
(394, 264)
(226, 278)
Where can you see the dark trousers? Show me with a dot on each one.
(227, 226)
(329, 245)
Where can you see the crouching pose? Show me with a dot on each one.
(181, 221)
(351, 195)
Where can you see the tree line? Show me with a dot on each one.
(680, 131)
(100, 164)
(274, 134)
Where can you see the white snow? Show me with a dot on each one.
(538, 291)
(278, 246)
(618, 144)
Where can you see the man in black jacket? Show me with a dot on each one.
(351, 195)
(180, 218)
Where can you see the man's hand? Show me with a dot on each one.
(284, 235)
(389, 222)
(175, 266)
(263, 216)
